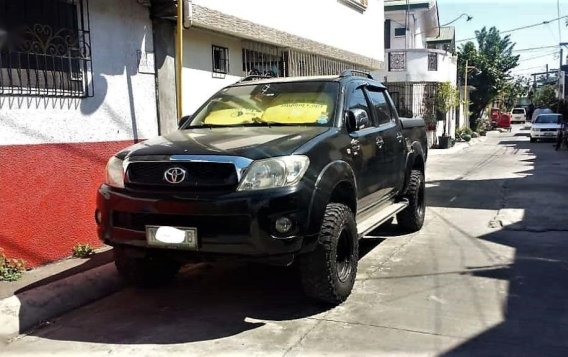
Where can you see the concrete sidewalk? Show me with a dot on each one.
(46, 292)
(460, 146)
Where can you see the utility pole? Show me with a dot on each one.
(466, 95)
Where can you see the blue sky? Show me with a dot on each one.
(509, 14)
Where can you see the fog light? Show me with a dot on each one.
(98, 217)
(283, 225)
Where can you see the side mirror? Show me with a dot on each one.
(356, 119)
(184, 120)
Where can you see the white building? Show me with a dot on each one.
(418, 55)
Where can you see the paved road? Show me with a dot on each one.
(486, 276)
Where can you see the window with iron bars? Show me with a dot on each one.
(45, 48)
(220, 60)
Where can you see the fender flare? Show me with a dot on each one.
(332, 175)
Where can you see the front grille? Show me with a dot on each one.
(548, 129)
(207, 226)
(206, 176)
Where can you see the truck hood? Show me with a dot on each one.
(251, 142)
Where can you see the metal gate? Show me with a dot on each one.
(263, 59)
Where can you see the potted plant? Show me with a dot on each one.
(446, 98)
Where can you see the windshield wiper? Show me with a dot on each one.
(209, 126)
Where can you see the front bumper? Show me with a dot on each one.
(235, 223)
(544, 134)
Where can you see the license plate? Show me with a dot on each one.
(172, 237)
(549, 134)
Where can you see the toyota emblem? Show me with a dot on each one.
(174, 175)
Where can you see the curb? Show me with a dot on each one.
(30, 308)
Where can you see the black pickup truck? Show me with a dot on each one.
(281, 171)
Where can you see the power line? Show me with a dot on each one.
(522, 27)
(541, 56)
(535, 48)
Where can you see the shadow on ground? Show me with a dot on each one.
(536, 309)
(206, 302)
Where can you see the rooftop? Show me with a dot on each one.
(395, 5)
(447, 34)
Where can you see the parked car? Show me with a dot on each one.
(546, 126)
(278, 171)
(536, 113)
(518, 115)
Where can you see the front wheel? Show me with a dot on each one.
(532, 140)
(328, 273)
(411, 219)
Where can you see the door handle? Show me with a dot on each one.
(399, 137)
(380, 142)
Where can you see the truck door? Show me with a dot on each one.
(366, 148)
(392, 153)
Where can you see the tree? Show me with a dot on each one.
(545, 96)
(514, 90)
(493, 58)
(447, 98)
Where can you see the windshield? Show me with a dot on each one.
(294, 103)
(518, 111)
(548, 119)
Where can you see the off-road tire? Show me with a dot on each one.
(411, 219)
(145, 271)
(328, 273)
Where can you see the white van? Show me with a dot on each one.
(518, 115)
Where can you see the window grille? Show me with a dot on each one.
(432, 61)
(307, 64)
(45, 48)
(397, 61)
(220, 60)
(263, 59)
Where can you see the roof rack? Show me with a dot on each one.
(254, 77)
(356, 72)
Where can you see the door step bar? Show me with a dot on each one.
(380, 215)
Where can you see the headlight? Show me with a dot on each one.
(115, 172)
(277, 172)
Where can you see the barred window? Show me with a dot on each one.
(220, 60)
(45, 48)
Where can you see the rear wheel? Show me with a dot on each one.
(328, 273)
(411, 219)
(144, 270)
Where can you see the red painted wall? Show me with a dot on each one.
(47, 197)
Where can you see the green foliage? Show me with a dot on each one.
(11, 269)
(83, 251)
(514, 90)
(474, 135)
(493, 57)
(447, 97)
(545, 96)
(464, 131)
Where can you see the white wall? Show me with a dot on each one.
(420, 23)
(417, 68)
(199, 81)
(124, 104)
(331, 22)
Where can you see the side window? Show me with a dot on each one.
(380, 105)
(357, 100)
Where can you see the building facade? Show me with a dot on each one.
(230, 40)
(75, 87)
(419, 54)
